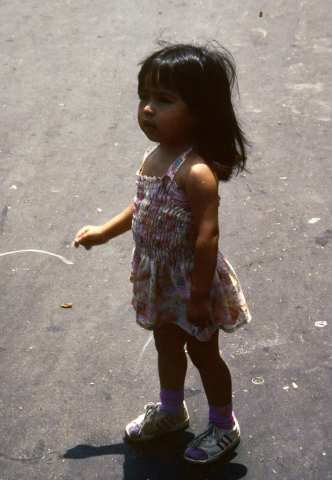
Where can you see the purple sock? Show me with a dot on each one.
(223, 417)
(171, 401)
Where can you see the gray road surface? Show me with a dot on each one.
(71, 379)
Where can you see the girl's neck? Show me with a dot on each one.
(173, 150)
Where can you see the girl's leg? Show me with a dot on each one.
(216, 378)
(172, 414)
(172, 360)
(213, 370)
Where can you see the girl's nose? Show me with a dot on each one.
(149, 109)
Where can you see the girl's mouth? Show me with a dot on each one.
(148, 124)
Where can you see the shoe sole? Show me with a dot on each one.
(215, 457)
(179, 426)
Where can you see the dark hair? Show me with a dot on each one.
(204, 78)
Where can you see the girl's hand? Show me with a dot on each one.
(89, 236)
(199, 312)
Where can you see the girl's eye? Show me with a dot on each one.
(164, 100)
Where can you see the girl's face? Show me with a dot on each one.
(164, 117)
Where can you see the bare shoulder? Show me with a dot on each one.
(195, 172)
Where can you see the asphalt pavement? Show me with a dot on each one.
(72, 378)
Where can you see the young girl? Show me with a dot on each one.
(183, 288)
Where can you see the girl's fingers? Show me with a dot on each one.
(199, 313)
(88, 237)
(80, 236)
(77, 241)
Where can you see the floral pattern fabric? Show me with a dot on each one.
(163, 260)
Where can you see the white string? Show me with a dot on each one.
(144, 348)
(39, 251)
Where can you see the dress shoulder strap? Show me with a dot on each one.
(146, 154)
(172, 171)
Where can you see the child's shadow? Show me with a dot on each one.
(162, 459)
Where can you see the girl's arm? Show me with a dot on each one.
(202, 191)
(90, 235)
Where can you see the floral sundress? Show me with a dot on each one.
(163, 260)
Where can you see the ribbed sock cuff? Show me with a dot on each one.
(172, 400)
(223, 417)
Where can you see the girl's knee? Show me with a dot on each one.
(203, 353)
(169, 338)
